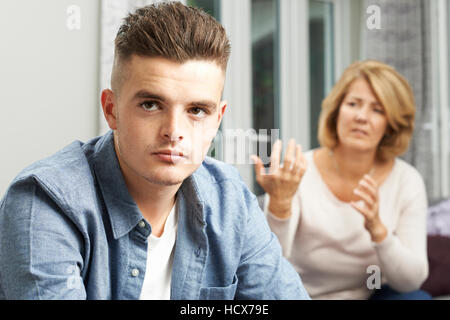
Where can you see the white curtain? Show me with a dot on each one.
(112, 14)
(404, 41)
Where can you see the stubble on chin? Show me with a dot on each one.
(167, 181)
(161, 177)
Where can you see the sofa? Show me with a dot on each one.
(438, 246)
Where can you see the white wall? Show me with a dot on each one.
(48, 80)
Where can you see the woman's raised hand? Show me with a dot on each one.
(368, 206)
(281, 182)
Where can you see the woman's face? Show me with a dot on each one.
(361, 121)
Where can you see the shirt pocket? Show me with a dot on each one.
(219, 293)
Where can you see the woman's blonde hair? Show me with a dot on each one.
(392, 91)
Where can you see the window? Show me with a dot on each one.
(321, 53)
(265, 64)
(265, 68)
(210, 6)
(267, 85)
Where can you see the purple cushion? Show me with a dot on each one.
(439, 218)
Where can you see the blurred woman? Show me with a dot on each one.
(350, 215)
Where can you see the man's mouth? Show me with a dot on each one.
(170, 156)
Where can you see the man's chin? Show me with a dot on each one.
(167, 175)
(167, 178)
(164, 181)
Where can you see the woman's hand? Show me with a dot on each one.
(367, 190)
(281, 183)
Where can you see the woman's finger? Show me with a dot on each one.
(275, 157)
(298, 159)
(259, 167)
(370, 180)
(364, 196)
(358, 207)
(304, 165)
(369, 189)
(289, 156)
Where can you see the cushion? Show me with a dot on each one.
(438, 222)
(438, 281)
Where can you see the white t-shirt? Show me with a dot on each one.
(327, 243)
(160, 251)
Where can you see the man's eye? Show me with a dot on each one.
(149, 105)
(199, 112)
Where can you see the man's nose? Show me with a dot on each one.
(171, 128)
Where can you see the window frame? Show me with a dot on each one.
(293, 75)
(440, 43)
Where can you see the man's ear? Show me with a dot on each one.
(222, 108)
(109, 108)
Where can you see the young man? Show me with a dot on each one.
(141, 213)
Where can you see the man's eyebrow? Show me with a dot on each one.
(143, 94)
(208, 104)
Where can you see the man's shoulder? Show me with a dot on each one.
(216, 181)
(66, 171)
(217, 172)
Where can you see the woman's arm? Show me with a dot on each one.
(284, 228)
(281, 203)
(403, 254)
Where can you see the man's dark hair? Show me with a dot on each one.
(171, 30)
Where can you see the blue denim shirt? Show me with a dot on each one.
(69, 229)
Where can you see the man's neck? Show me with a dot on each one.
(155, 201)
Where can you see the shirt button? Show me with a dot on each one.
(135, 272)
(142, 224)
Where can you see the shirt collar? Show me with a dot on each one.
(123, 212)
(191, 196)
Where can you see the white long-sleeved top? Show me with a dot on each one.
(325, 239)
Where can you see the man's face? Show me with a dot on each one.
(165, 117)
